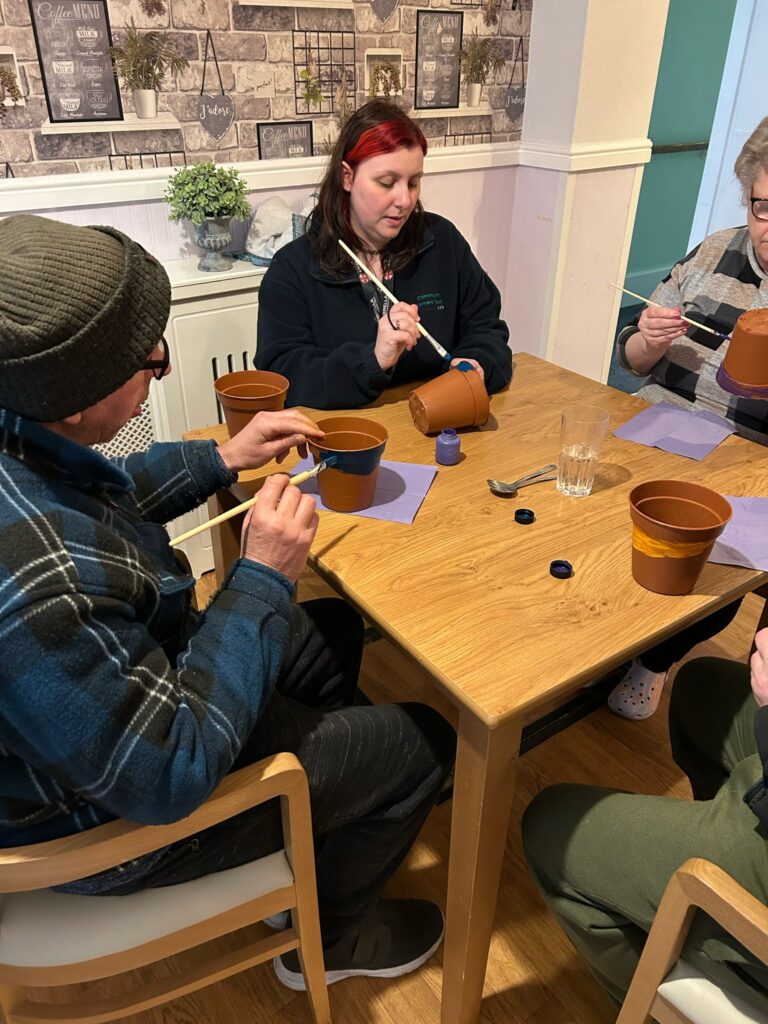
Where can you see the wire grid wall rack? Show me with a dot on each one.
(467, 3)
(468, 138)
(326, 59)
(137, 161)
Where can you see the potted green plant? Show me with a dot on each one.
(8, 87)
(142, 60)
(479, 56)
(210, 197)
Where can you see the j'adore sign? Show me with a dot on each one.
(438, 45)
(215, 112)
(73, 40)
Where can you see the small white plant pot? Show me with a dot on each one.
(473, 94)
(145, 102)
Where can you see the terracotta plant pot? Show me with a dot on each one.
(744, 370)
(457, 398)
(246, 392)
(674, 525)
(358, 444)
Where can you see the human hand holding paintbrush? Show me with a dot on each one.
(279, 529)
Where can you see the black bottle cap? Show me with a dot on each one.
(524, 516)
(561, 569)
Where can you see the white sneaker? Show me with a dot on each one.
(279, 921)
(638, 694)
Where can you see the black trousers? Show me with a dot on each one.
(373, 772)
(664, 655)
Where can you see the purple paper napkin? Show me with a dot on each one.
(693, 434)
(744, 541)
(400, 490)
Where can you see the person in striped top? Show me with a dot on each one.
(714, 284)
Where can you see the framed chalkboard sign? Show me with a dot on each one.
(438, 45)
(73, 40)
(284, 139)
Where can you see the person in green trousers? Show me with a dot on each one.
(602, 858)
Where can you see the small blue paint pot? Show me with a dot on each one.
(358, 445)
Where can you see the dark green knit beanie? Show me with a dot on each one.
(80, 311)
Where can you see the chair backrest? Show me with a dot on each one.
(670, 990)
(51, 938)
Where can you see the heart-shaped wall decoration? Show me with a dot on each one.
(215, 112)
(384, 9)
(514, 102)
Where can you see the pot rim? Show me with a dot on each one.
(265, 377)
(692, 530)
(359, 429)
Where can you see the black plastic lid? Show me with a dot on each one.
(524, 516)
(561, 569)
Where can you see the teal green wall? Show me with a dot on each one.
(692, 61)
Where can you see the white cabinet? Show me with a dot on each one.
(211, 331)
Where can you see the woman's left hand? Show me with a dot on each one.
(477, 366)
(269, 435)
(758, 665)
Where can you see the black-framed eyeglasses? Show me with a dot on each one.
(759, 208)
(159, 367)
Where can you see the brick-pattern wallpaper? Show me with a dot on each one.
(249, 40)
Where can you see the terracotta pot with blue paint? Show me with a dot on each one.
(457, 398)
(358, 444)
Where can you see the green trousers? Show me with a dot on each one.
(602, 858)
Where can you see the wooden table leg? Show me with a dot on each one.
(482, 800)
(225, 538)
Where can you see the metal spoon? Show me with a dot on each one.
(509, 490)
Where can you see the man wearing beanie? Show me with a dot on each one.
(117, 700)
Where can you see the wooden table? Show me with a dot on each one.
(467, 593)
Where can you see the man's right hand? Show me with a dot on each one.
(279, 529)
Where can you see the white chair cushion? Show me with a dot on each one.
(46, 929)
(703, 1001)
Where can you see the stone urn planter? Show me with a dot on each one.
(210, 197)
(213, 235)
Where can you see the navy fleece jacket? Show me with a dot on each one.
(320, 331)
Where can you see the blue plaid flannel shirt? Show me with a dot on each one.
(117, 700)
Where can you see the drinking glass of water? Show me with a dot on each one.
(583, 428)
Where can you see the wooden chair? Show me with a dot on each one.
(668, 988)
(51, 939)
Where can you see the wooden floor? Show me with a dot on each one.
(534, 977)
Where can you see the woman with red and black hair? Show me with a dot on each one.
(324, 324)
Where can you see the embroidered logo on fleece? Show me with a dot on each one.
(429, 300)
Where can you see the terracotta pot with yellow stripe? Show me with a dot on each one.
(674, 525)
